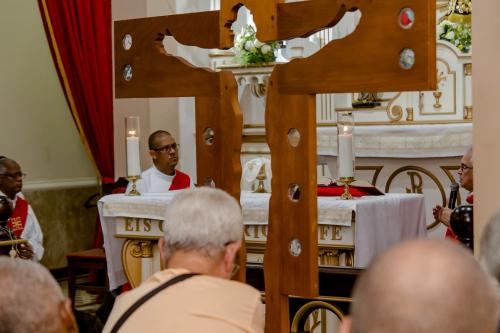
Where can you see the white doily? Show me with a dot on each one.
(252, 168)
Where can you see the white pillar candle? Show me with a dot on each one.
(345, 158)
(133, 162)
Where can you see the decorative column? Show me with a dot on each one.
(329, 256)
(468, 91)
(146, 259)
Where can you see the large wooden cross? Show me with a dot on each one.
(366, 60)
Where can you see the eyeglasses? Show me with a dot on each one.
(167, 148)
(464, 167)
(14, 175)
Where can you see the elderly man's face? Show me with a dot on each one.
(11, 179)
(465, 172)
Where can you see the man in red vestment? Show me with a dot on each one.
(442, 214)
(162, 176)
(22, 222)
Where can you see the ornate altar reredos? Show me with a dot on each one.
(298, 98)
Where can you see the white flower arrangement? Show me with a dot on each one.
(249, 50)
(458, 34)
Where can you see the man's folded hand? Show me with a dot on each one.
(25, 251)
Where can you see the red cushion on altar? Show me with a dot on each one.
(334, 190)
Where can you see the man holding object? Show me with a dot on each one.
(22, 222)
(442, 214)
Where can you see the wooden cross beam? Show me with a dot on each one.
(155, 73)
(366, 60)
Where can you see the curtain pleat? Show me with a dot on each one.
(79, 35)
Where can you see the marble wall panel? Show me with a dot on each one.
(66, 224)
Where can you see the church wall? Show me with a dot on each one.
(67, 225)
(38, 131)
(486, 83)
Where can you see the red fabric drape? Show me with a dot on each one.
(79, 35)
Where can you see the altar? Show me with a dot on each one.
(350, 232)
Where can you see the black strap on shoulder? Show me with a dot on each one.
(146, 297)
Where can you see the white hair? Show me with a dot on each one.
(489, 254)
(203, 220)
(469, 151)
(30, 298)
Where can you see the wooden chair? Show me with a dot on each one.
(92, 260)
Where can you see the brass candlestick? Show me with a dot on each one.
(346, 181)
(261, 177)
(133, 191)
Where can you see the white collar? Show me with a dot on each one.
(162, 175)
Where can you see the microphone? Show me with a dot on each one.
(453, 195)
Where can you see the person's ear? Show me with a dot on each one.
(68, 321)
(163, 257)
(345, 325)
(229, 255)
(152, 153)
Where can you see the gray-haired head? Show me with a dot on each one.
(425, 286)
(489, 253)
(204, 220)
(30, 300)
(4, 161)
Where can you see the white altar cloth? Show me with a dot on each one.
(381, 221)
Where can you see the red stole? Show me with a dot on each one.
(180, 181)
(450, 234)
(17, 220)
(470, 198)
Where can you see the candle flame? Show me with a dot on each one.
(131, 133)
(346, 128)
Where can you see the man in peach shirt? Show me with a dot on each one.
(202, 235)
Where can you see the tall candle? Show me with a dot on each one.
(133, 162)
(345, 158)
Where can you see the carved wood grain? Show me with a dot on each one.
(368, 58)
(264, 15)
(284, 273)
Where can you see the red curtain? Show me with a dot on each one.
(79, 35)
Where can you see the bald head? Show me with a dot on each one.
(31, 300)
(424, 286)
(153, 137)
